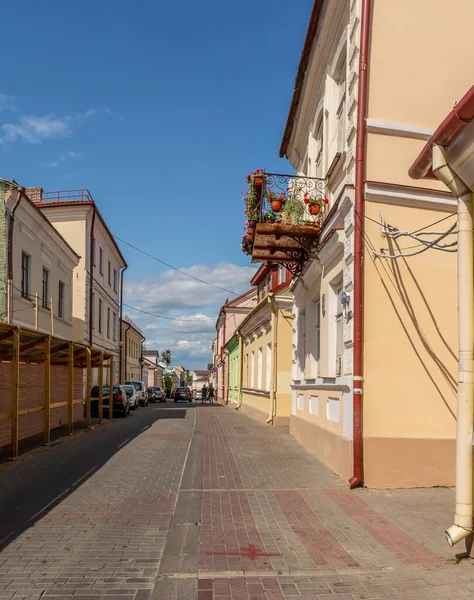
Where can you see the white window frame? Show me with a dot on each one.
(268, 367)
(259, 368)
(252, 370)
(339, 316)
(45, 288)
(61, 290)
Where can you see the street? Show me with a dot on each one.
(190, 501)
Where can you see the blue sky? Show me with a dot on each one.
(159, 109)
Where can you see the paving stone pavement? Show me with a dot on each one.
(203, 503)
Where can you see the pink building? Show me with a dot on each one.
(231, 315)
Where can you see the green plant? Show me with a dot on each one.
(270, 216)
(167, 384)
(313, 201)
(166, 356)
(251, 198)
(294, 212)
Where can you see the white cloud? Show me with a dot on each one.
(197, 306)
(63, 157)
(34, 129)
(7, 103)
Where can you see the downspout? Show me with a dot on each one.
(273, 378)
(358, 373)
(91, 275)
(121, 378)
(463, 518)
(125, 346)
(10, 242)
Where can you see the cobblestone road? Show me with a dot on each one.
(204, 503)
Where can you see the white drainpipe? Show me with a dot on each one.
(463, 519)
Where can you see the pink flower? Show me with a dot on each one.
(246, 223)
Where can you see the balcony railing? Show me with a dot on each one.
(67, 196)
(285, 215)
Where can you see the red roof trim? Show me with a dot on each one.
(262, 272)
(450, 128)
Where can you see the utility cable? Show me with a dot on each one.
(170, 318)
(175, 268)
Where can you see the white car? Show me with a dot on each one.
(132, 395)
(140, 388)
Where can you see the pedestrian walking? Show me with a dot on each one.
(203, 394)
(210, 393)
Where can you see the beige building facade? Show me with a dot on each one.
(132, 339)
(37, 280)
(98, 277)
(265, 340)
(407, 388)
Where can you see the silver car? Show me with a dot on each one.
(132, 396)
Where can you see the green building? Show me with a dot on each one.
(232, 347)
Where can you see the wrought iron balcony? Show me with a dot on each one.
(285, 215)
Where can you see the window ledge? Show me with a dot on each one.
(256, 392)
(336, 387)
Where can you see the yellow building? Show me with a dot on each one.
(132, 339)
(265, 336)
(374, 367)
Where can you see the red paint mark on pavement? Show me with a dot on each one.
(249, 552)
(323, 548)
(391, 537)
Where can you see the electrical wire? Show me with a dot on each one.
(418, 230)
(175, 268)
(170, 318)
(428, 245)
(33, 298)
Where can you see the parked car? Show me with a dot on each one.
(120, 401)
(183, 393)
(198, 395)
(132, 396)
(155, 394)
(141, 391)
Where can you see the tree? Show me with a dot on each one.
(167, 384)
(166, 356)
(189, 376)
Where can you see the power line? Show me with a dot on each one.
(417, 231)
(169, 318)
(174, 268)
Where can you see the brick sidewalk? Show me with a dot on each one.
(205, 503)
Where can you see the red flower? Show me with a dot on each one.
(306, 200)
(326, 201)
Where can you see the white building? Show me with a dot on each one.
(39, 265)
(98, 279)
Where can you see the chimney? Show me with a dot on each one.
(35, 194)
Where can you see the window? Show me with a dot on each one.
(101, 256)
(45, 296)
(333, 410)
(114, 325)
(341, 109)
(252, 370)
(100, 315)
(317, 334)
(93, 310)
(320, 146)
(247, 369)
(268, 367)
(115, 280)
(108, 321)
(61, 300)
(300, 404)
(339, 332)
(109, 273)
(25, 275)
(281, 274)
(94, 252)
(314, 405)
(259, 368)
(302, 343)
